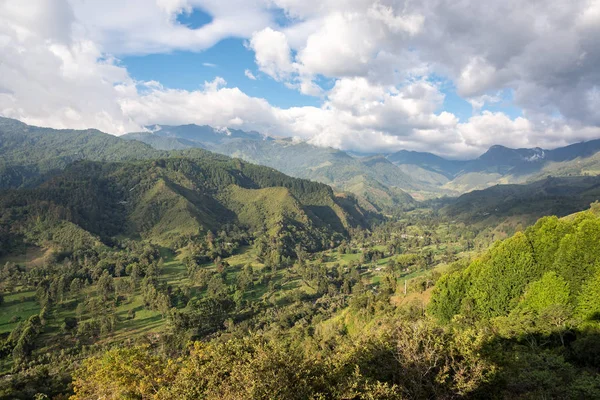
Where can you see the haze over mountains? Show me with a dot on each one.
(383, 181)
(380, 182)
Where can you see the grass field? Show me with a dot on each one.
(17, 306)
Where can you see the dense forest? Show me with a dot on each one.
(143, 274)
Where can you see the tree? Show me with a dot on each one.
(447, 296)
(106, 286)
(75, 287)
(588, 302)
(550, 290)
(502, 276)
(579, 251)
(120, 373)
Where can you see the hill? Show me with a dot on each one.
(551, 196)
(518, 321)
(299, 159)
(503, 165)
(420, 174)
(167, 200)
(427, 161)
(550, 266)
(27, 152)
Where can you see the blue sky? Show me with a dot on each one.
(228, 59)
(509, 80)
(231, 57)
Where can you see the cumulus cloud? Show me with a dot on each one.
(49, 78)
(384, 59)
(273, 54)
(545, 52)
(146, 26)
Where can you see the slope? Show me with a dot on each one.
(26, 151)
(551, 196)
(299, 159)
(167, 200)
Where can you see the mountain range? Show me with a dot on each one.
(102, 186)
(385, 181)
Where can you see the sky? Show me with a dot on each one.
(443, 76)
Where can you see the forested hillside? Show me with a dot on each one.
(518, 321)
(168, 201)
(526, 202)
(542, 280)
(388, 177)
(27, 152)
(326, 165)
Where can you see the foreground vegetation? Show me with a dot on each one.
(520, 321)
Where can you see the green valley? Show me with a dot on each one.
(181, 273)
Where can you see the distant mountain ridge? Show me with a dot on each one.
(419, 174)
(204, 133)
(381, 183)
(369, 178)
(503, 165)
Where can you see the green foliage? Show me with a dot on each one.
(579, 251)
(448, 295)
(527, 202)
(126, 373)
(548, 270)
(27, 152)
(502, 276)
(416, 361)
(551, 290)
(169, 200)
(588, 302)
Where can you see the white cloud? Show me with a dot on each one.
(143, 26)
(355, 116)
(215, 84)
(49, 78)
(273, 54)
(344, 45)
(209, 65)
(57, 69)
(249, 75)
(479, 102)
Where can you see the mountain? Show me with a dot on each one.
(503, 159)
(204, 133)
(300, 159)
(161, 142)
(166, 200)
(108, 187)
(502, 165)
(382, 182)
(427, 161)
(27, 152)
(525, 202)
